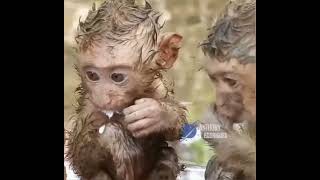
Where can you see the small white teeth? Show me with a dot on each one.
(101, 129)
(109, 113)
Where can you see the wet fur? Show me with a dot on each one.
(233, 36)
(238, 155)
(118, 155)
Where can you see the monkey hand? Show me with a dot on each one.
(145, 117)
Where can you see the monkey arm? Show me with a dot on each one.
(235, 158)
(214, 171)
(176, 117)
(84, 151)
(234, 155)
(238, 152)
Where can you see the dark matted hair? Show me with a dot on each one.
(116, 22)
(121, 22)
(233, 35)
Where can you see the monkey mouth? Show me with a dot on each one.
(229, 111)
(109, 114)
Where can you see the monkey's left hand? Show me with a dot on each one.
(147, 116)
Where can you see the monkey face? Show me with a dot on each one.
(111, 89)
(229, 101)
(231, 88)
(116, 75)
(111, 81)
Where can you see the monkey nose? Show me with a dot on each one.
(107, 99)
(219, 101)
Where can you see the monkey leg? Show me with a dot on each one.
(167, 167)
(100, 176)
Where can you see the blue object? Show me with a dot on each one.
(189, 130)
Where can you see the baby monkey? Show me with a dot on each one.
(126, 112)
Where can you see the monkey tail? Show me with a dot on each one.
(238, 154)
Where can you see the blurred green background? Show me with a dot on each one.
(191, 19)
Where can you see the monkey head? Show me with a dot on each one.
(231, 63)
(122, 53)
(235, 89)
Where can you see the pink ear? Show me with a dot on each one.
(169, 50)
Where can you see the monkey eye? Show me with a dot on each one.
(92, 76)
(118, 77)
(213, 78)
(230, 82)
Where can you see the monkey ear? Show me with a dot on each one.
(168, 50)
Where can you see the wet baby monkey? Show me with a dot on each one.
(126, 112)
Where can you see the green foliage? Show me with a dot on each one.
(202, 152)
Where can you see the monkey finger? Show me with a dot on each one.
(134, 108)
(140, 114)
(145, 132)
(140, 125)
(142, 100)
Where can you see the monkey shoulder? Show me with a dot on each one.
(214, 171)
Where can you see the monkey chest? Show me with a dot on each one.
(132, 158)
